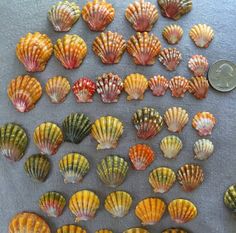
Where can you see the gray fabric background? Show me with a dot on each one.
(18, 193)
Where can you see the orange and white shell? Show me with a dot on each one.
(178, 86)
(158, 85)
(172, 33)
(198, 64)
(199, 86)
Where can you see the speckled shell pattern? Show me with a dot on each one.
(203, 149)
(175, 230)
(172, 33)
(70, 229)
(230, 198)
(158, 84)
(198, 65)
(199, 86)
(178, 86)
(136, 230)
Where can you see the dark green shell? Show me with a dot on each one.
(174, 230)
(230, 198)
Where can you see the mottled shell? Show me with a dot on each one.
(172, 33)
(109, 46)
(174, 230)
(52, 203)
(150, 210)
(203, 149)
(24, 92)
(73, 167)
(109, 86)
(98, 14)
(63, 15)
(144, 48)
(199, 86)
(48, 137)
(103, 231)
(84, 205)
(198, 64)
(70, 50)
(26, 222)
(34, 51)
(202, 35)
(178, 86)
(70, 229)
(158, 85)
(182, 211)
(136, 230)
(118, 203)
(13, 141)
(230, 198)
(37, 167)
(107, 131)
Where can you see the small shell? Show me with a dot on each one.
(98, 14)
(84, 205)
(203, 149)
(141, 156)
(198, 64)
(109, 87)
(144, 48)
(57, 88)
(109, 46)
(182, 211)
(13, 141)
(118, 203)
(171, 146)
(112, 170)
(34, 51)
(158, 85)
(148, 122)
(230, 198)
(70, 229)
(52, 203)
(204, 123)
(173, 34)
(107, 131)
(178, 86)
(162, 179)
(73, 167)
(150, 210)
(76, 127)
(142, 15)
(136, 230)
(48, 137)
(190, 177)
(103, 231)
(70, 50)
(199, 86)
(37, 167)
(63, 15)
(84, 89)
(24, 92)
(175, 230)
(202, 35)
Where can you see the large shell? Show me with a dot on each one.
(70, 50)
(203, 149)
(173, 34)
(198, 64)
(150, 210)
(34, 51)
(178, 86)
(76, 127)
(73, 167)
(70, 229)
(98, 14)
(230, 198)
(109, 87)
(112, 170)
(48, 137)
(199, 86)
(158, 85)
(13, 141)
(109, 46)
(144, 48)
(24, 92)
(174, 230)
(106, 131)
(84, 205)
(142, 15)
(136, 230)
(118, 203)
(63, 15)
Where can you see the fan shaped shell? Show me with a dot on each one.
(158, 85)
(103, 231)
(70, 229)
(198, 64)
(178, 86)
(230, 198)
(174, 230)
(172, 33)
(203, 149)
(199, 86)
(136, 230)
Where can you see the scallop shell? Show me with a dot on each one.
(109, 87)
(112, 170)
(148, 122)
(48, 137)
(150, 210)
(37, 167)
(24, 92)
(178, 86)
(103, 231)
(158, 85)
(202, 35)
(118, 203)
(52, 203)
(199, 86)
(76, 127)
(198, 64)
(142, 15)
(190, 177)
(141, 156)
(73, 167)
(203, 149)
(144, 48)
(182, 211)
(204, 123)
(136, 230)
(84, 89)
(63, 15)
(70, 229)
(230, 198)
(173, 34)
(109, 46)
(70, 50)
(57, 88)
(98, 14)
(174, 230)
(34, 51)
(13, 141)
(107, 131)
(162, 179)
(84, 205)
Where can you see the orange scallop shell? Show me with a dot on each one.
(178, 86)
(172, 34)
(199, 86)
(158, 85)
(198, 64)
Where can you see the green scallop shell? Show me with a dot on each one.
(174, 230)
(230, 198)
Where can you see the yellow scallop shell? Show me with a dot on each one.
(70, 229)
(136, 230)
(174, 230)
(103, 231)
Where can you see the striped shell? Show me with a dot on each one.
(199, 86)
(173, 34)
(203, 149)
(70, 229)
(136, 230)
(230, 198)
(198, 64)
(103, 231)
(174, 230)
(178, 86)
(158, 85)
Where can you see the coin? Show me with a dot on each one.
(222, 76)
